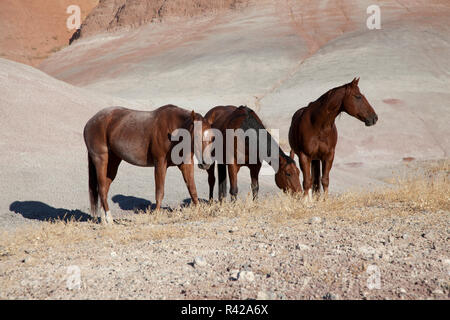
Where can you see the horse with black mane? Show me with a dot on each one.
(225, 118)
(313, 133)
(141, 138)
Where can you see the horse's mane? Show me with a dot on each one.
(321, 101)
(325, 96)
(252, 122)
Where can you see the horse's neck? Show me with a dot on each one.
(328, 108)
(281, 154)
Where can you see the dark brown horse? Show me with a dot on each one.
(313, 134)
(142, 138)
(231, 117)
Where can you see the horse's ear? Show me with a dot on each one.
(193, 115)
(355, 82)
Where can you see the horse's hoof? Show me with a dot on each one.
(108, 218)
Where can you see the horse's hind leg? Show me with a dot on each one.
(93, 188)
(315, 172)
(101, 165)
(222, 174)
(254, 174)
(211, 181)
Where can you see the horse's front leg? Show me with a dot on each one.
(326, 168)
(233, 170)
(160, 179)
(211, 180)
(254, 174)
(188, 174)
(305, 166)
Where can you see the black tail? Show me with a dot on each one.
(315, 172)
(93, 187)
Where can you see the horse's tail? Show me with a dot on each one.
(315, 173)
(93, 187)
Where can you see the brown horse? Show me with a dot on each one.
(313, 134)
(231, 117)
(142, 138)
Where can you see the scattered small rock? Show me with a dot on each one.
(246, 276)
(315, 220)
(331, 296)
(429, 236)
(266, 295)
(27, 260)
(233, 230)
(301, 246)
(234, 275)
(199, 262)
(367, 252)
(242, 275)
(438, 292)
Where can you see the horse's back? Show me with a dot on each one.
(109, 127)
(95, 129)
(218, 116)
(298, 115)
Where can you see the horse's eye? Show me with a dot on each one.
(288, 174)
(358, 97)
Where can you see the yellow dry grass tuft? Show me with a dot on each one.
(426, 191)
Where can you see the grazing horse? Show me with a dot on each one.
(142, 138)
(313, 134)
(231, 117)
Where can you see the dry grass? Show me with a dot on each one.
(427, 192)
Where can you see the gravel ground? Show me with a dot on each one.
(316, 257)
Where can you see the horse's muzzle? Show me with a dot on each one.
(204, 166)
(371, 121)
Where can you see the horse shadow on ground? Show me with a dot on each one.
(37, 210)
(130, 203)
(187, 202)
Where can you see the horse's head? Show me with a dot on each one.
(202, 135)
(356, 104)
(287, 176)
